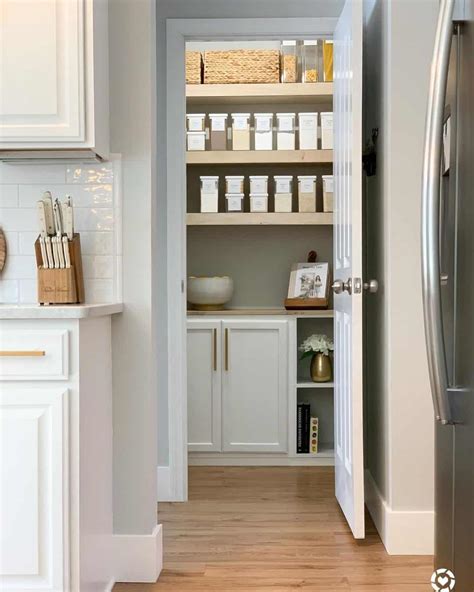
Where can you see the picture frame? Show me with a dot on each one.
(308, 286)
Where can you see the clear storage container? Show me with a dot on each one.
(218, 131)
(328, 53)
(328, 193)
(326, 131)
(288, 61)
(283, 193)
(310, 60)
(307, 193)
(234, 202)
(240, 131)
(209, 194)
(196, 122)
(259, 184)
(263, 131)
(259, 202)
(286, 131)
(308, 131)
(196, 140)
(234, 184)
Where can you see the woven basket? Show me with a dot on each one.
(242, 66)
(193, 67)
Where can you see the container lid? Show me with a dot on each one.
(258, 176)
(326, 113)
(218, 115)
(289, 42)
(199, 133)
(210, 177)
(306, 177)
(307, 114)
(325, 177)
(234, 177)
(329, 41)
(203, 115)
(240, 114)
(310, 42)
(257, 115)
(283, 177)
(259, 195)
(230, 195)
(286, 114)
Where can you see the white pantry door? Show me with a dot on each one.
(348, 416)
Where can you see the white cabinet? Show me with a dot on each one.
(54, 71)
(204, 386)
(238, 385)
(34, 506)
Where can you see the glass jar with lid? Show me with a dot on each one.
(288, 61)
(311, 60)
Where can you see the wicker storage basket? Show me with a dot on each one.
(193, 67)
(242, 66)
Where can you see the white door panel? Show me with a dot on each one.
(255, 386)
(204, 385)
(348, 414)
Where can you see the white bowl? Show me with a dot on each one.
(209, 293)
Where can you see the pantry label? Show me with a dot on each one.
(307, 185)
(218, 124)
(329, 185)
(285, 123)
(241, 123)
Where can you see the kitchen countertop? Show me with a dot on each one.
(71, 311)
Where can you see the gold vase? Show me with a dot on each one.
(321, 369)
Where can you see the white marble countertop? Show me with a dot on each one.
(70, 311)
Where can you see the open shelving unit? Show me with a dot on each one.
(260, 219)
(259, 157)
(303, 384)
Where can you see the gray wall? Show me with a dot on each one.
(399, 429)
(211, 9)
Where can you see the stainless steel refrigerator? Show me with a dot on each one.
(448, 286)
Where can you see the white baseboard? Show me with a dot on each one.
(256, 459)
(163, 476)
(138, 558)
(403, 532)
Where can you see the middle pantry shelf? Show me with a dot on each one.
(260, 219)
(259, 157)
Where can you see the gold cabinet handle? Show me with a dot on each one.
(214, 349)
(36, 353)
(227, 350)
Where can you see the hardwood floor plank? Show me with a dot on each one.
(273, 529)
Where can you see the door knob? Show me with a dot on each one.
(371, 286)
(339, 286)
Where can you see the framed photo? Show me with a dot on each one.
(309, 280)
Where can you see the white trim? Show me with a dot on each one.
(403, 532)
(255, 459)
(163, 476)
(177, 32)
(138, 558)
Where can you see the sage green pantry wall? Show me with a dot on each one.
(399, 39)
(207, 9)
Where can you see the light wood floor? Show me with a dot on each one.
(273, 529)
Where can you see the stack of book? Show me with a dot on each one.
(307, 430)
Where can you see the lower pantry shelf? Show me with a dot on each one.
(325, 457)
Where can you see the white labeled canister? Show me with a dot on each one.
(286, 132)
(263, 131)
(308, 131)
(196, 141)
(328, 193)
(196, 122)
(259, 202)
(258, 183)
(240, 131)
(234, 202)
(234, 183)
(283, 183)
(326, 130)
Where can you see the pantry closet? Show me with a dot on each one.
(257, 186)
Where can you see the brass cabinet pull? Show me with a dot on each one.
(227, 350)
(214, 349)
(22, 353)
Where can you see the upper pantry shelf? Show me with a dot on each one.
(205, 94)
(260, 219)
(259, 156)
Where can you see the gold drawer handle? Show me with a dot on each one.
(36, 353)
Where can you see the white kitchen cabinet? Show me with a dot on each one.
(237, 385)
(204, 385)
(34, 506)
(54, 71)
(255, 386)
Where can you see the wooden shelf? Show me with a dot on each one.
(313, 93)
(324, 451)
(309, 384)
(260, 219)
(320, 314)
(259, 157)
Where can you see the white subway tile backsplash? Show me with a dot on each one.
(93, 219)
(8, 291)
(27, 242)
(13, 247)
(19, 267)
(82, 195)
(28, 291)
(99, 291)
(97, 243)
(18, 219)
(8, 196)
(32, 173)
(98, 266)
(90, 173)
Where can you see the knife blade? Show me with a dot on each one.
(48, 208)
(68, 218)
(43, 232)
(58, 239)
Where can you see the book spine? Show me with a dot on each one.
(314, 435)
(299, 428)
(305, 428)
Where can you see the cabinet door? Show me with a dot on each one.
(42, 52)
(255, 386)
(204, 385)
(34, 488)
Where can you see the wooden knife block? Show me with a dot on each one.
(61, 286)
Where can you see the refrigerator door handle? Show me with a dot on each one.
(430, 213)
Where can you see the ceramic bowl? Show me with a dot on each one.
(209, 293)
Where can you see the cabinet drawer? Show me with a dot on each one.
(34, 355)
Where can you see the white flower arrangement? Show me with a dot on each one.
(316, 344)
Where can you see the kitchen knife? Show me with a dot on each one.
(42, 224)
(58, 239)
(68, 218)
(48, 208)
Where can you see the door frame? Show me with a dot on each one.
(178, 31)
